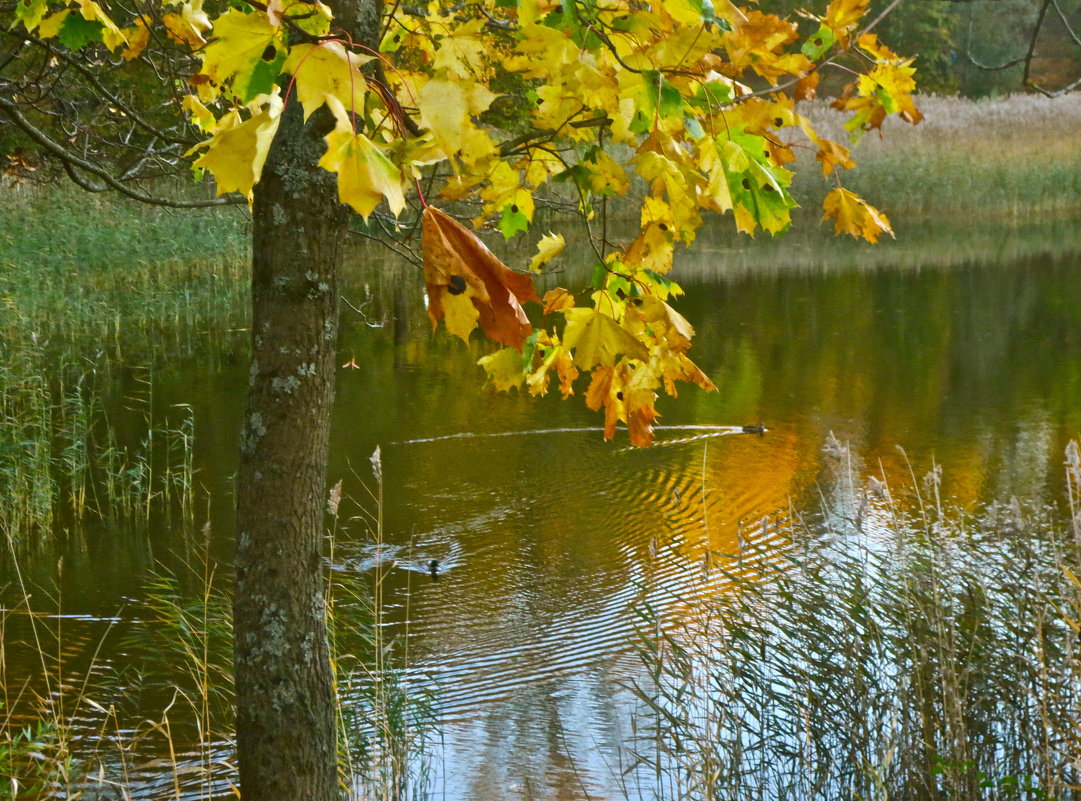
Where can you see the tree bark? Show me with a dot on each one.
(286, 715)
(286, 731)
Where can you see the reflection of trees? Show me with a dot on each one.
(955, 360)
(960, 359)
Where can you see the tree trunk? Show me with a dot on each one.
(286, 731)
(286, 720)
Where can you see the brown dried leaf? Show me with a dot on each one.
(456, 264)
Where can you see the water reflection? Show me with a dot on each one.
(547, 543)
(969, 364)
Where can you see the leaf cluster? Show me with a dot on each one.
(683, 108)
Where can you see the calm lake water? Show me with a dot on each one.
(963, 346)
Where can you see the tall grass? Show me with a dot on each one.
(386, 722)
(157, 723)
(90, 285)
(1013, 156)
(61, 462)
(98, 277)
(900, 649)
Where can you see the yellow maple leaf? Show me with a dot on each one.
(832, 155)
(445, 110)
(199, 114)
(557, 357)
(189, 26)
(504, 369)
(606, 175)
(138, 37)
(557, 299)
(111, 35)
(685, 46)
(596, 339)
(868, 42)
(626, 397)
(327, 70)
(237, 151)
(240, 40)
(674, 367)
(461, 53)
(686, 13)
(549, 246)
(606, 390)
(756, 42)
(853, 215)
(365, 174)
(842, 16)
(665, 323)
(50, 26)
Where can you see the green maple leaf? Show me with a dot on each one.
(818, 44)
(31, 12)
(512, 221)
(759, 188)
(77, 32)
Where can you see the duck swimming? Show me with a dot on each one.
(433, 568)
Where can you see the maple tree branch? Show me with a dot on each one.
(538, 136)
(73, 162)
(1025, 79)
(89, 76)
(885, 13)
(403, 252)
(1066, 23)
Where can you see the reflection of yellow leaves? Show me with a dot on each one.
(596, 339)
(460, 269)
(550, 246)
(853, 215)
(325, 70)
(365, 174)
